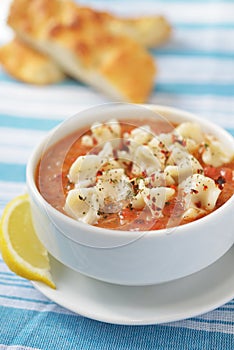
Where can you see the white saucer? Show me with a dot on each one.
(172, 301)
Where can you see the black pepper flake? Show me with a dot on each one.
(82, 198)
(99, 212)
(130, 206)
(220, 182)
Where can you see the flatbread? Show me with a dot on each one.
(80, 42)
(28, 65)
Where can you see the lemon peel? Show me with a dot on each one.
(20, 247)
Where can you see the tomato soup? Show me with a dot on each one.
(135, 183)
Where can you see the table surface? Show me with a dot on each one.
(196, 73)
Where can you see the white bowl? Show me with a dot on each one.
(124, 257)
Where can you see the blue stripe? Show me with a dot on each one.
(198, 26)
(16, 285)
(5, 77)
(76, 332)
(15, 279)
(193, 53)
(71, 82)
(27, 123)
(12, 172)
(7, 273)
(226, 309)
(216, 89)
(11, 297)
(196, 89)
(231, 131)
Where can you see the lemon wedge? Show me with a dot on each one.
(20, 247)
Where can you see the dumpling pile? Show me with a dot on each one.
(140, 169)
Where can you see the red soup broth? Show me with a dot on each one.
(53, 183)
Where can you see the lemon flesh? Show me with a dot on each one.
(20, 247)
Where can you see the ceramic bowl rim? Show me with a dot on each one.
(181, 229)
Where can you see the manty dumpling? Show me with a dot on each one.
(145, 172)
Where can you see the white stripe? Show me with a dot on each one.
(194, 70)
(45, 112)
(206, 40)
(21, 304)
(9, 190)
(55, 102)
(226, 121)
(20, 138)
(67, 103)
(16, 145)
(5, 32)
(22, 292)
(219, 110)
(60, 94)
(218, 315)
(213, 327)
(14, 155)
(177, 12)
(28, 293)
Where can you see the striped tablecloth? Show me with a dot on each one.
(196, 73)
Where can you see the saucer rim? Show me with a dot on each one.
(59, 297)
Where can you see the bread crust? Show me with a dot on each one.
(148, 31)
(28, 65)
(81, 43)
